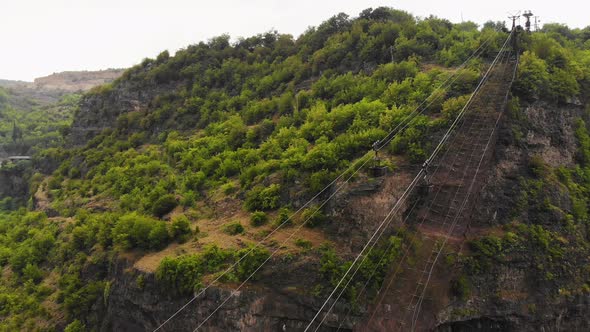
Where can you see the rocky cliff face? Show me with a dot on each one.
(514, 295)
(540, 130)
(14, 182)
(280, 300)
(73, 81)
(67, 81)
(48, 89)
(276, 302)
(99, 111)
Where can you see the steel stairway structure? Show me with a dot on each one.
(443, 215)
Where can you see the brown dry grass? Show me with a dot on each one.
(211, 219)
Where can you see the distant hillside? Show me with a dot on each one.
(77, 80)
(10, 83)
(67, 81)
(44, 91)
(39, 108)
(234, 186)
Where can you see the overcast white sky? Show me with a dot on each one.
(39, 37)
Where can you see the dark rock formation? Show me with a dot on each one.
(99, 111)
(542, 130)
(14, 182)
(274, 303)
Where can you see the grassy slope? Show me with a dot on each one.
(268, 112)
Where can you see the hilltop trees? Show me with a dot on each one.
(34, 127)
(262, 123)
(551, 71)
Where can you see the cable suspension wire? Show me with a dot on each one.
(397, 233)
(413, 115)
(365, 257)
(455, 220)
(453, 223)
(405, 122)
(381, 259)
(409, 188)
(276, 250)
(506, 96)
(406, 251)
(231, 267)
(446, 137)
(363, 260)
(386, 252)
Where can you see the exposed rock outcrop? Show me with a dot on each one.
(14, 182)
(99, 111)
(275, 303)
(511, 296)
(72, 81)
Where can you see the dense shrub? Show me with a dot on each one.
(283, 218)
(313, 217)
(305, 244)
(180, 228)
(533, 77)
(251, 259)
(258, 218)
(260, 198)
(158, 236)
(75, 326)
(164, 205)
(183, 274)
(233, 228)
(136, 231)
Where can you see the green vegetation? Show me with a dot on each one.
(305, 244)
(372, 269)
(27, 125)
(35, 249)
(233, 228)
(283, 218)
(75, 326)
(555, 65)
(180, 228)
(258, 126)
(164, 204)
(263, 198)
(549, 229)
(258, 218)
(184, 274)
(268, 113)
(313, 217)
(136, 231)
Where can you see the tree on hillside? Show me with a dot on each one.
(17, 133)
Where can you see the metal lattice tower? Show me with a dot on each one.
(513, 18)
(528, 14)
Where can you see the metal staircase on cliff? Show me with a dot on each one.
(444, 214)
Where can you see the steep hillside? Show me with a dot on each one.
(40, 109)
(66, 82)
(73, 81)
(172, 175)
